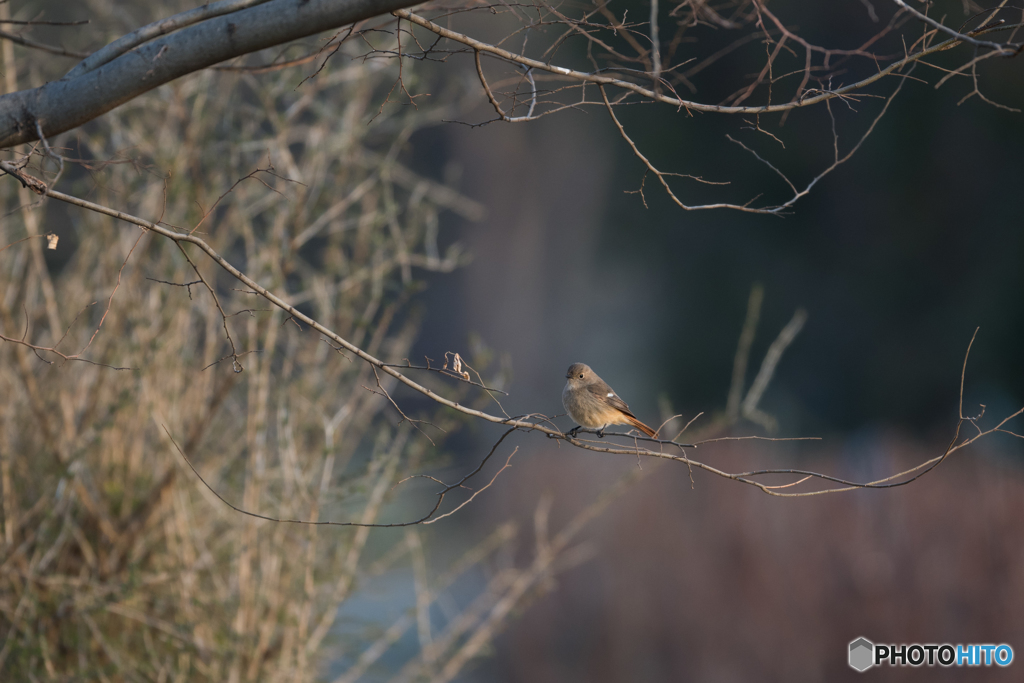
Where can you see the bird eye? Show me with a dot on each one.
(581, 375)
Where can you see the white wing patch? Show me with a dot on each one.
(610, 394)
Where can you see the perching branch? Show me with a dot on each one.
(641, 446)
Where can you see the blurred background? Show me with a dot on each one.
(897, 257)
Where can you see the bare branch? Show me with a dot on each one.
(521, 423)
(647, 93)
(1002, 49)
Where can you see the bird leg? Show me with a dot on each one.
(572, 432)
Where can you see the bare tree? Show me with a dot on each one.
(228, 327)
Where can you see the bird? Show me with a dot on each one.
(593, 404)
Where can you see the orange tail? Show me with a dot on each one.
(641, 426)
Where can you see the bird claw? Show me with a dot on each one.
(572, 432)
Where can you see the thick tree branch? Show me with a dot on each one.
(159, 28)
(76, 99)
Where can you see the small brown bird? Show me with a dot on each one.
(593, 404)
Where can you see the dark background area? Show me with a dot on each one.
(897, 256)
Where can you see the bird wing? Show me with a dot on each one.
(607, 395)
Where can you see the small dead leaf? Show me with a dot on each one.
(51, 241)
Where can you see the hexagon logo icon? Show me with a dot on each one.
(862, 654)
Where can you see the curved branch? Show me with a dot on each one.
(81, 96)
(178, 237)
(524, 422)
